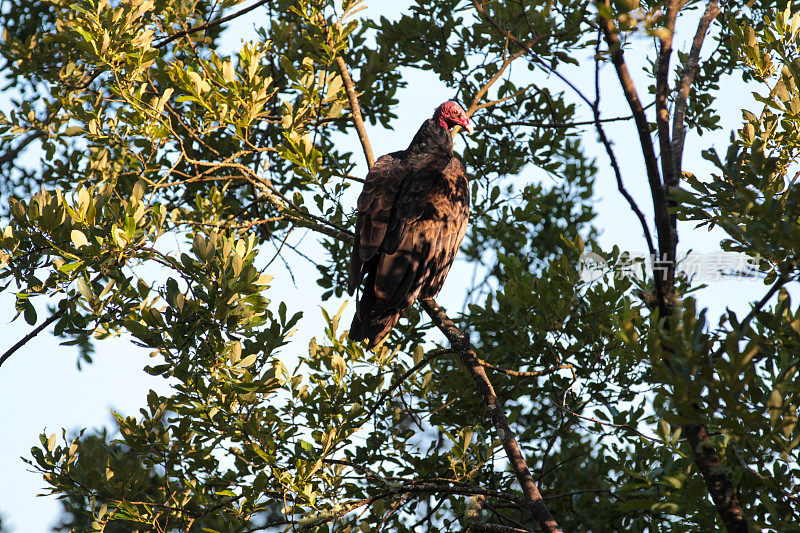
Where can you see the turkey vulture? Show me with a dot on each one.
(412, 215)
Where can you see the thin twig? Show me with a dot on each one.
(475, 525)
(553, 125)
(520, 374)
(478, 5)
(38, 329)
(399, 381)
(208, 25)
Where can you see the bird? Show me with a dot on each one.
(411, 217)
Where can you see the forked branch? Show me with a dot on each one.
(704, 453)
(662, 216)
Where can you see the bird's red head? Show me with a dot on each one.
(451, 114)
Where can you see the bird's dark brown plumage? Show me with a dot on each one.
(412, 216)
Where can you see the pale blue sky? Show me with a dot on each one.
(41, 389)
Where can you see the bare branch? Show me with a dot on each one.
(662, 277)
(209, 25)
(38, 329)
(460, 343)
(554, 125)
(355, 109)
(601, 133)
(399, 381)
(520, 374)
(687, 79)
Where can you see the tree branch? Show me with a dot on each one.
(744, 324)
(685, 85)
(12, 153)
(478, 5)
(662, 276)
(601, 133)
(662, 126)
(553, 125)
(723, 493)
(355, 109)
(209, 25)
(38, 329)
(596, 121)
(519, 374)
(399, 381)
(460, 343)
(476, 525)
(662, 92)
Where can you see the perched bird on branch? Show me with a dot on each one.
(412, 215)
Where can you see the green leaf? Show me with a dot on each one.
(78, 238)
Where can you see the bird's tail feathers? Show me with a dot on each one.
(372, 320)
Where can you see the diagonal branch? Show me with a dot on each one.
(211, 24)
(12, 153)
(601, 133)
(466, 353)
(63, 307)
(479, 7)
(399, 381)
(685, 85)
(355, 109)
(474, 105)
(529, 374)
(745, 323)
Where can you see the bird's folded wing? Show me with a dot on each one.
(428, 224)
(374, 212)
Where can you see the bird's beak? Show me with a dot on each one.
(468, 126)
